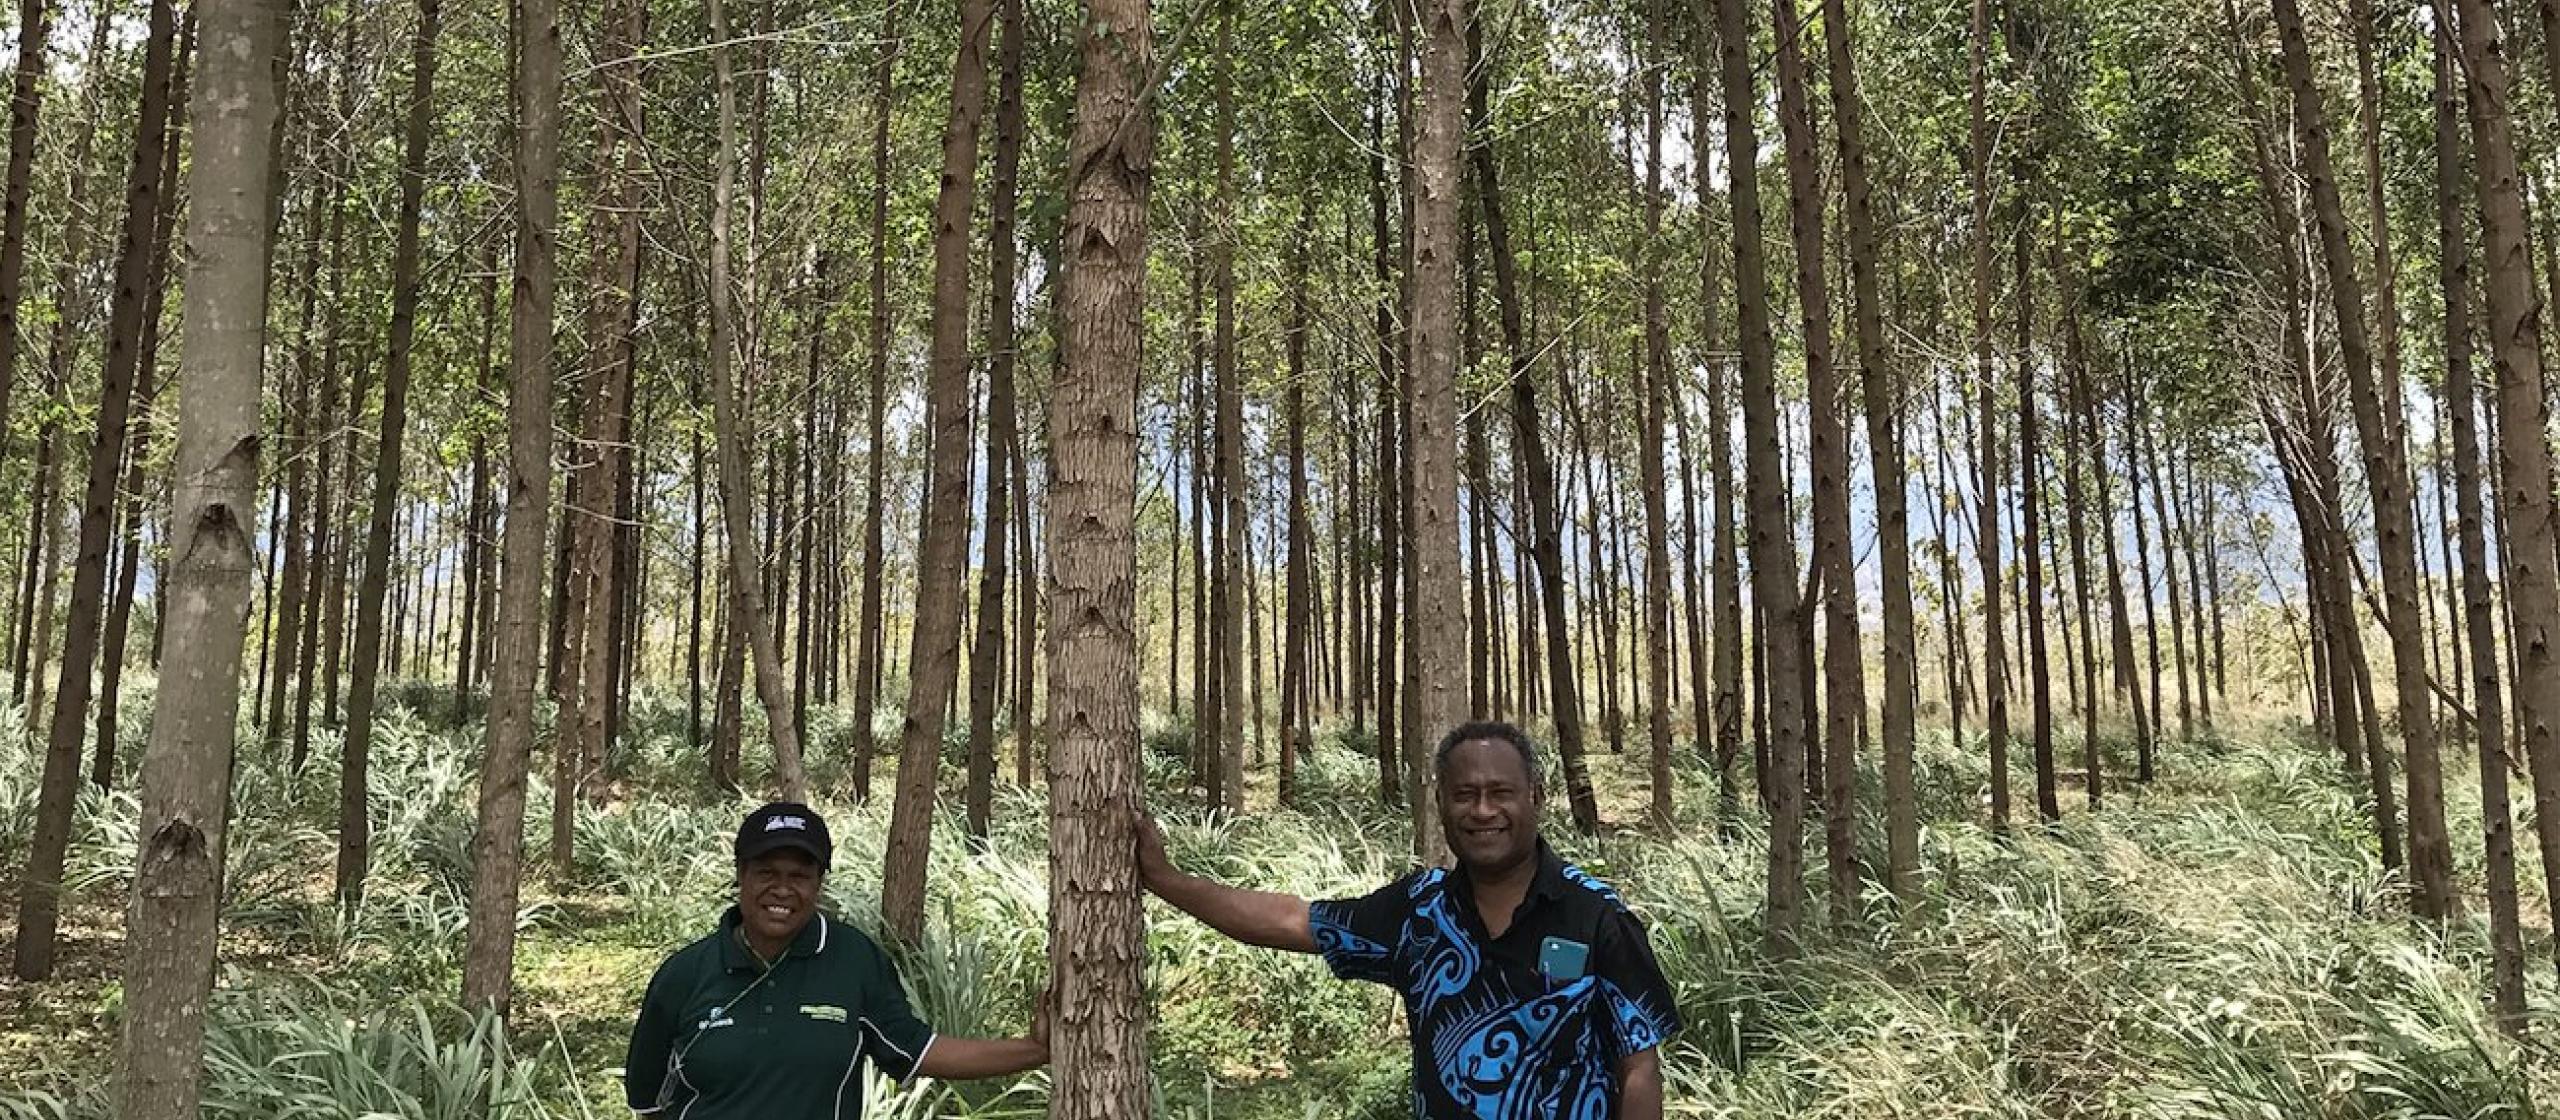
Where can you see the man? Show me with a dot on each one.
(1529, 988)
(773, 1015)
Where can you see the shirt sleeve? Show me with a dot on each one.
(1358, 937)
(644, 1065)
(894, 1036)
(1642, 1010)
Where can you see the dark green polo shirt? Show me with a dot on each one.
(721, 1037)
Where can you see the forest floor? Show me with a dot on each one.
(2221, 943)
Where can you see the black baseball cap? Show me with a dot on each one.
(785, 824)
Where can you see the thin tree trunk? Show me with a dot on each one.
(1773, 563)
(986, 661)
(867, 649)
(1531, 462)
(39, 901)
(2453, 217)
(746, 562)
(2522, 416)
(1995, 654)
(941, 554)
(26, 102)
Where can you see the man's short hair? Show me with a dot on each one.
(1495, 731)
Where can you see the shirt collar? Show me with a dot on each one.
(1546, 884)
(734, 954)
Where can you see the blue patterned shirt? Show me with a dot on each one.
(1496, 1036)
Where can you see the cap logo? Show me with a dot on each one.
(786, 822)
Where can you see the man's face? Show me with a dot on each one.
(1489, 805)
(777, 893)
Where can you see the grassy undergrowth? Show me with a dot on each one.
(2223, 943)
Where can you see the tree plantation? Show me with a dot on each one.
(2021, 534)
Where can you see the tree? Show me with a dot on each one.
(2386, 472)
(867, 650)
(39, 902)
(354, 825)
(941, 556)
(1003, 434)
(1995, 656)
(1773, 561)
(2515, 337)
(1438, 639)
(746, 559)
(1880, 384)
(497, 840)
(26, 103)
(172, 928)
(1097, 927)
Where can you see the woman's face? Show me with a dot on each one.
(777, 894)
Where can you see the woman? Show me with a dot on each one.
(773, 1015)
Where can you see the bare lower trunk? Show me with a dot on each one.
(172, 928)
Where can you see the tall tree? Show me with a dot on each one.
(1773, 560)
(1986, 542)
(867, 650)
(2386, 471)
(2515, 338)
(39, 901)
(26, 103)
(1097, 927)
(497, 841)
(1655, 401)
(1224, 731)
(172, 930)
(1880, 383)
(589, 520)
(355, 830)
(941, 555)
(1545, 524)
(986, 658)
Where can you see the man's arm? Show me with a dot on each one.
(1264, 918)
(1640, 1085)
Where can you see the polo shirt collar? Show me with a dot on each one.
(1546, 884)
(734, 955)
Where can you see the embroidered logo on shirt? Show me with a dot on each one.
(715, 1018)
(828, 1012)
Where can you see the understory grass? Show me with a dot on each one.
(2223, 943)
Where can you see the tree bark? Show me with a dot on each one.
(497, 843)
(1225, 625)
(172, 928)
(934, 660)
(1995, 653)
(1773, 562)
(26, 102)
(355, 831)
(1656, 400)
(39, 901)
(1097, 931)
(1529, 444)
(2522, 415)
(1298, 610)
(986, 663)
(867, 650)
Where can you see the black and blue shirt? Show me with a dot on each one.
(1497, 1033)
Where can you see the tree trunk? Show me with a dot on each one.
(26, 101)
(746, 561)
(120, 604)
(1844, 696)
(355, 832)
(39, 902)
(498, 841)
(1383, 661)
(2453, 217)
(1995, 653)
(2080, 436)
(2386, 469)
(867, 649)
(934, 661)
(1655, 401)
(1097, 928)
(2522, 415)
(2031, 533)
(1298, 611)
(1531, 462)
(986, 662)
(1880, 385)
(172, 928)
(1773, 563)
(1224, 743)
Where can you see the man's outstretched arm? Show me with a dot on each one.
(1264, 918)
